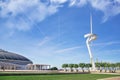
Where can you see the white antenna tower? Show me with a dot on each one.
(90, 37)
(91, 23)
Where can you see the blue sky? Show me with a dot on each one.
(52, 31)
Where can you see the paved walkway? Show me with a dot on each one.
(113, 78)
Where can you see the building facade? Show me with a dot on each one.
(13, 61)
(38, 67)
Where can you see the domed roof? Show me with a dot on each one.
(12, 56)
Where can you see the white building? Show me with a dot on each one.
(12, 61)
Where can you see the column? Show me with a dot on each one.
(46, 67)
(10, 67)
(14, 67)
(40, 67)
(34, 67)
(49, 66)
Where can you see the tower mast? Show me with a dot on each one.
(90, 37)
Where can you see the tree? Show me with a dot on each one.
(97, 65)
(65, 66)
(54, 68)
(101, 66)
(88, 66)
(71, 67)
(76, 66)
(82, 65)
(106, 66)
(118, 65)
(113, 66)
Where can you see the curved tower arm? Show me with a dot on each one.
(90, 53)
(88, 46)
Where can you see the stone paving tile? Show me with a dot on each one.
(114, 78)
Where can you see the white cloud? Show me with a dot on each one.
(67, 49)
(23, 14)
(107, 43)
(58, 1)
(79, 3)
(44, 41)
(72, 2)
(108, 7)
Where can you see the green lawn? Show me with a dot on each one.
(58, 77)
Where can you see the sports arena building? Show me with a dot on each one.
(13, 61)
